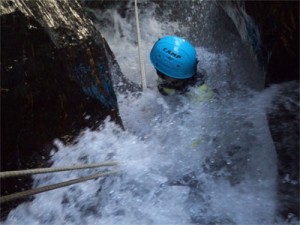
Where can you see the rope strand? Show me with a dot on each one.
(24, 194)
(142, 66)
(50, 170)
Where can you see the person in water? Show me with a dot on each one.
(175, 61)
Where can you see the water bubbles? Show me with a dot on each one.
(87, 117)
(286, 178)
(228, 162)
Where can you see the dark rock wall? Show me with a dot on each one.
(271, 29)
(278, 24)
(284, 127)
(56, 80)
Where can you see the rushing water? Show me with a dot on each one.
(183, 161)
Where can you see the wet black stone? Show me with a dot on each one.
(278, 23)
(284, 127)
(278, 54)
(46, 93)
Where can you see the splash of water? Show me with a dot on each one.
(181, 162)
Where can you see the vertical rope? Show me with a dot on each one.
(142, 66)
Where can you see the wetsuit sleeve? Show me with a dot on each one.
(165, 91)
(201, 93)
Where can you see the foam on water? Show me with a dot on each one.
(182, 162)
(164, 178)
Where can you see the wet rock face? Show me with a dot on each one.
(278, 23)
(47, 92)
(271, 28)
(284, 127)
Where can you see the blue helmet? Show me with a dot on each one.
(174, 57)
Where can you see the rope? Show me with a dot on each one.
(24, 194)
(50, 170)
(142, 67)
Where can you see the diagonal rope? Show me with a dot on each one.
(24, 194)
(50, 170)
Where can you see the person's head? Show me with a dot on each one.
(175, 61)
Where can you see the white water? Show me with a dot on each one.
(182, 162)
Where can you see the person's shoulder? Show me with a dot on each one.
(200, 91)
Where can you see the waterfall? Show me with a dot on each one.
(182, 162)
